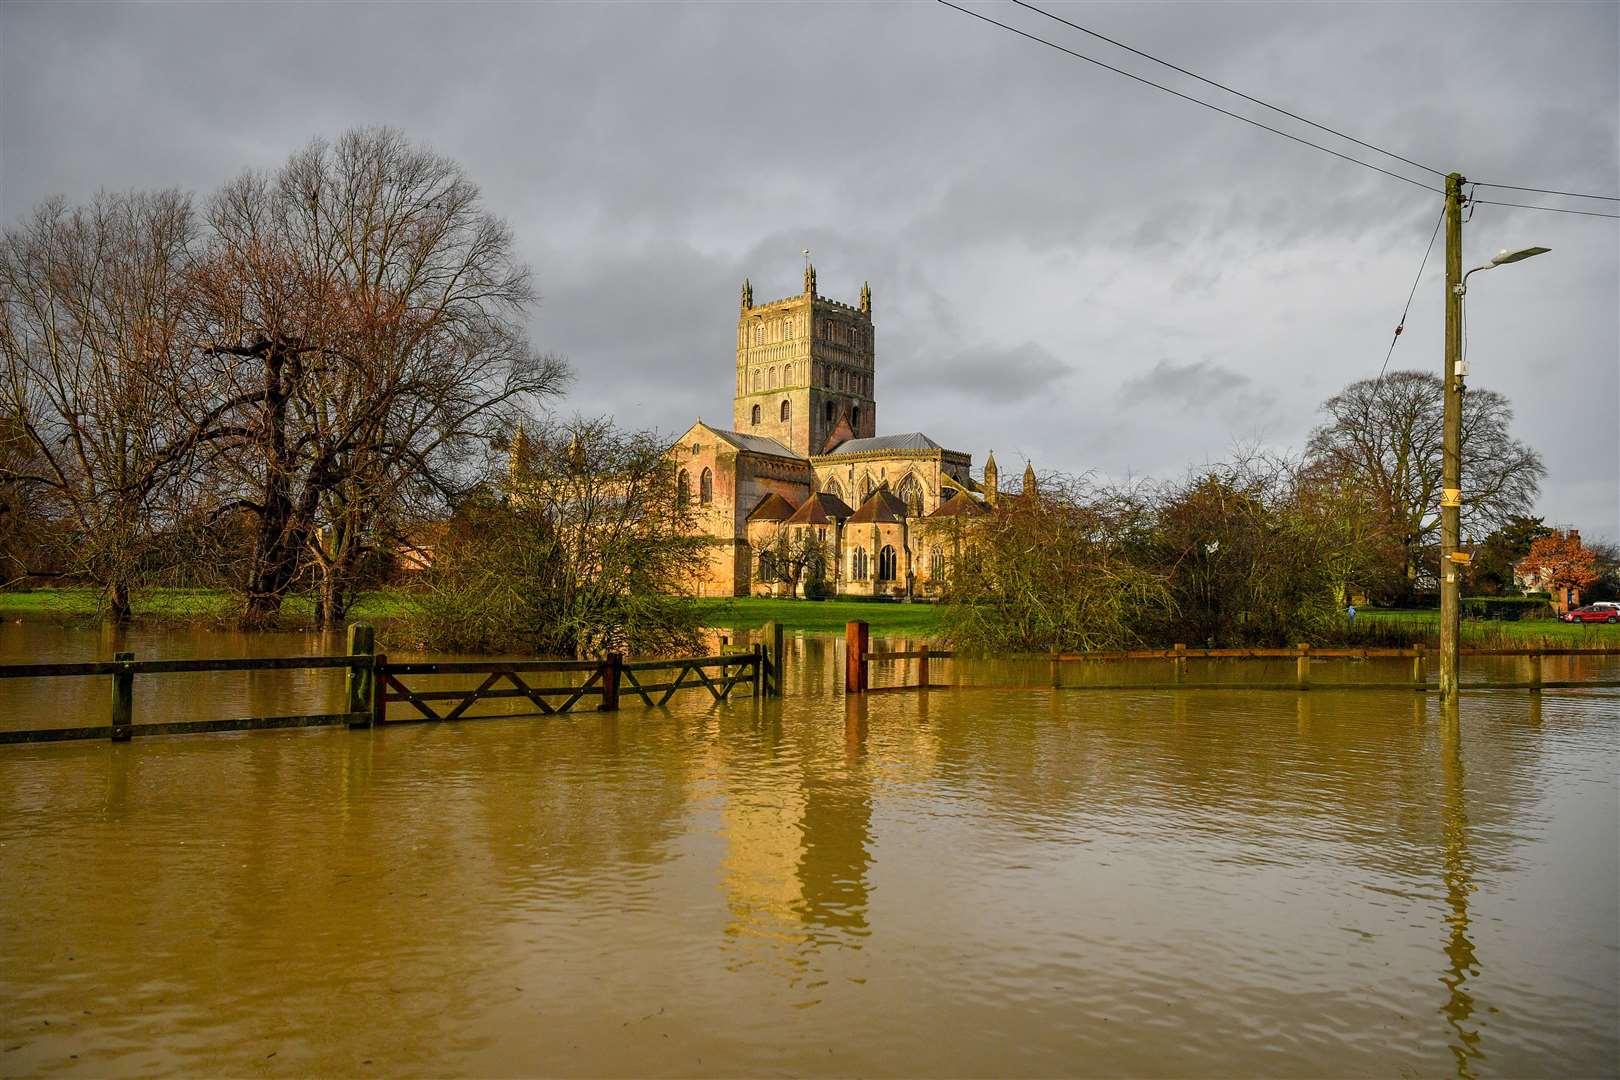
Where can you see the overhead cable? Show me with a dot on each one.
(1228, 89)
(1542, 190)
(1549, 209)
(1187, 97)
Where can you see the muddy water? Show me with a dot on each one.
(1014, 882)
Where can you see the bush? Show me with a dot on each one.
(1504, 608)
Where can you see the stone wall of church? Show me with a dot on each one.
(853, 476)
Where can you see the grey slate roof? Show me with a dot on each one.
(914, 440)
(756, 444)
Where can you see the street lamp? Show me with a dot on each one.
(1452, 558)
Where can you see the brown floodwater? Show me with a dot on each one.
(985, 882)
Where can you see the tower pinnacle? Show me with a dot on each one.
(866, 297)
(992, 477)
(809, 279)
(747, 295)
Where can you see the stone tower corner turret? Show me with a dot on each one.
(810, 279)
(747, 295)
(866, 297)
(992, 476)
(1029, 480)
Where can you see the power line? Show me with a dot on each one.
(1228, 89)
(1188, 97)
(1542, 190)
(1400, 326)
(1549, 209)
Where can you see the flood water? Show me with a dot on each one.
(967, 882)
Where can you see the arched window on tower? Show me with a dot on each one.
(706, 488)
(756, 379)
(772, 383)
(829, 412)
(683, 487)
(756, 416)
(787, 410)
(855, 419)
(911, 493)
(887, 564)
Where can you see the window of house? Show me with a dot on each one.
(886, 564)
(756, 416)
(787, 410)
(706, 487)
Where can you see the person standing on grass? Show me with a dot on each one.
(1351, 611)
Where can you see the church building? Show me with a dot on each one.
(803, 463)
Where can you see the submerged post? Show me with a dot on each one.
(774, 646)
(922, 667)
(759, 669)
(1178, 666)
(123, 700)
(612, 666)
(856, 636)
(379, 699)
(1535, 672)
(360, 682)
(1302, 666)
(1418, 674)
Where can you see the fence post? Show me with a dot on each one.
(1178, 665)
(612, 665)
(360, 682)
(123, 700)
(759, 669)
(856, 636)
(1302, 666)
(1056, 672)
(1418, 674)
(1535, 672)
(922, 667)
(773, 635)
(379, 694)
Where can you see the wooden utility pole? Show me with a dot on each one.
(1451, 438)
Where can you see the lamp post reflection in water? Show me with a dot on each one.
(1459, 879)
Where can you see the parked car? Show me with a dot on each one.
(1606, 613)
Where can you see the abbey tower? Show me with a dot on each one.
(804, 370)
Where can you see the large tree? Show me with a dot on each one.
(1384, 435)
(95, 337)
(367, 310)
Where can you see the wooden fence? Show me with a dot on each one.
(859, 656)
(372, 683)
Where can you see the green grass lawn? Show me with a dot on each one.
(1489, 633)
(179, 605)
(821, 616)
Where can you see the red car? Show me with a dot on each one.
(1592, 613)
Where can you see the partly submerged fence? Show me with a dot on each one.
(859, 657)
(372, 683)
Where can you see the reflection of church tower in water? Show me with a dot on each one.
(798, 856)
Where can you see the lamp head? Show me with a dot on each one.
(1503, 257)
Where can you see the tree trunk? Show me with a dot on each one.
(118, 610)
(275, 548)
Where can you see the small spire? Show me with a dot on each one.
(747, 295)
(991, 477)
(810, 279)
(866, 297)
(1029, 479)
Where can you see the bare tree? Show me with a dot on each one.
(795, 554)
(1385, 436)
(93, 331)
(367, 311)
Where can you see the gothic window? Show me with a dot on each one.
(787, 328)
(787, 410)
(706, 488)
(683, 487)
(756, 380)
(756, 416)
(759, 333)
(886, 564)
(857, 564)
(855, 419)
(936, 568)
(832, 488)
(767, 566)
(829, 412)
(867, 487)
(911, 493)
(773, 379)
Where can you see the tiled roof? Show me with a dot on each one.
(959, 505)
(914, 440)
(756, 444)
(772, 508)
(821, 509)
(880, 506)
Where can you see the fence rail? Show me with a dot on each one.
(372, 683)
(859, 656)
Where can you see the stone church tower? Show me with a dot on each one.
(804, 370)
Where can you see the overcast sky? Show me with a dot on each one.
(1065, 265)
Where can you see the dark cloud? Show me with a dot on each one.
(1055, 251)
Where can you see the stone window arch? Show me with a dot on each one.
(911, 493)
(787, 328)
(857, 564)
(767, 566)
(867, 487)
(771, 383)
(787, 410)
(683, 487)
(888, 564)
(706, 487)
(831, 488)
(756, 379)
(756, 416)
(936, 568)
